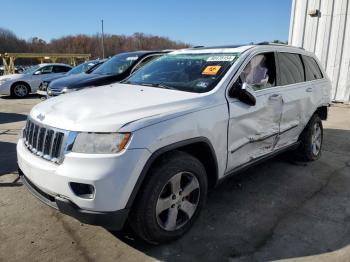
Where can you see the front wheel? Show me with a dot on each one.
(171, 199)
(20, 90)
(311, 139)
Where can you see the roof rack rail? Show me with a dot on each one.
(278, 44)
(270, 43)
(216, 47)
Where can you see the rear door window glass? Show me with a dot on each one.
(61, 69)
(291, 69)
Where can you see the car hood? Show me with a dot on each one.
(77, 81)
(109, 108)
(12, 77)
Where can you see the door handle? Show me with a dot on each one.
(309, 89)
(275, 97)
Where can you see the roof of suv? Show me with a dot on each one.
(240, 48)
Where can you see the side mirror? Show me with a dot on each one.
(244, 93)
(37, 73)
(247, 95)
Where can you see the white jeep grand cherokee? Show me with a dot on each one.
(147, 150)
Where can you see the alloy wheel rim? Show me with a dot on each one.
(316, 139)
(20, 90)
(178, 201)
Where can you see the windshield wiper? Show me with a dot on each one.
(160, 85)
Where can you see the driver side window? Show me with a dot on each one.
(260, 72)
(46, 70)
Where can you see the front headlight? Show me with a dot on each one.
(68, 90)
(100, 143)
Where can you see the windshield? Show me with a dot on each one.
(82, 68)
(31, 70)
(116, 65)
(197, 73)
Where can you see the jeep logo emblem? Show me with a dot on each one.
(40, 117)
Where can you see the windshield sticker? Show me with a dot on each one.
(132, 58)
(221, 58)
(211, 70)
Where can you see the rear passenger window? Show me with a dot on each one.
(312, 70)
(61, 69)
(291, 69)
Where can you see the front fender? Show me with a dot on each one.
(210, 123)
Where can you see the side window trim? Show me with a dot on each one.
(278, 69)
(302, 61)
(318, 67)
(143, 59)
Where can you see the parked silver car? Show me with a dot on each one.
(20, 85)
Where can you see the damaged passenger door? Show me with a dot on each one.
(254, 127)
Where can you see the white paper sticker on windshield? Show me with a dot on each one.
(221, 58)
(132, 58)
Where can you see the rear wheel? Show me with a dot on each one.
(311, 140)
(171, 199)
(20, 90)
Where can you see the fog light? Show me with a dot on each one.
(83, 190)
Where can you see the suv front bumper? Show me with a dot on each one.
(113, 177)
(111, 220)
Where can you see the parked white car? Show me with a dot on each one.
(20, 85)
(147, 150)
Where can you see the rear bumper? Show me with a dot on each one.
(114, 220)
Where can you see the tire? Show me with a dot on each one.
(20, 90)
(311, 140)
(159, 199)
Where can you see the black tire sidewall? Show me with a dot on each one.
(13, 94)
(306, 147)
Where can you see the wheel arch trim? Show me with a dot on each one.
(160, 152)
(20, 82)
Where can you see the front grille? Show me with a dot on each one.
(45, 142)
